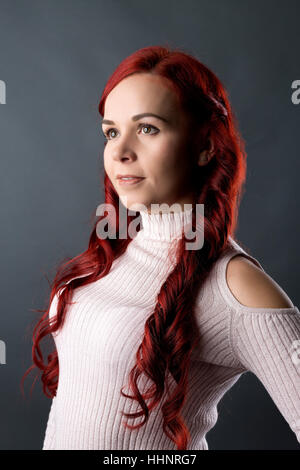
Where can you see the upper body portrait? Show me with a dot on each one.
(151, 329)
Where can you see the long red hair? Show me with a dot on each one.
(170, 331)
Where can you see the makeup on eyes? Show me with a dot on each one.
(141, 125)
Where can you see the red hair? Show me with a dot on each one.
(170, 331)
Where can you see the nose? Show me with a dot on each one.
(126, 156)
(123, 151)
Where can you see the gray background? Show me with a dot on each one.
(55, 57)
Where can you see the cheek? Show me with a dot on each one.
(106, 164)
(169, 159)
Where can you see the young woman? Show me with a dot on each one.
(144, 328)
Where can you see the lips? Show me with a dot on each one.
(130, 181)
(129, 176)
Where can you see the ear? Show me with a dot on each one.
(206, 155)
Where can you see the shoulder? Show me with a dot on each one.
(252, 286)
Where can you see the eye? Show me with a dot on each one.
(141, 126)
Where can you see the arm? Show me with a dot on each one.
(265, 336)
(49, 439)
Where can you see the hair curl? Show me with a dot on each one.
(170, 331)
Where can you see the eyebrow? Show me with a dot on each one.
(136, 118)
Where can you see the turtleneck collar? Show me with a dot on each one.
(164, 226)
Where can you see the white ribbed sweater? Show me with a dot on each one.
(104, 327)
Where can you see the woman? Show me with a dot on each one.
(176, 326)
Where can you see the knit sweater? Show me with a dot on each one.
(104, 327)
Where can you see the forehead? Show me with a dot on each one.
(139, 93)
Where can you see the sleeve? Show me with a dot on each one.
(266, 342)
(49, 439)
